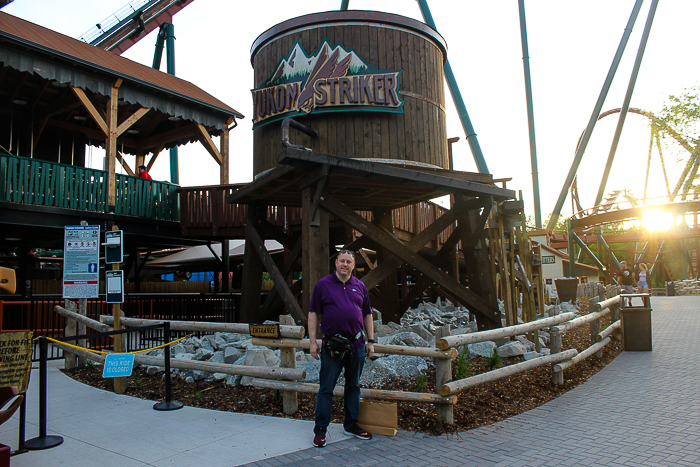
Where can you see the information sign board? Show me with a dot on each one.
(118, 365)
(81, 272)
(115, 286)
(15, 358)
(114, 247)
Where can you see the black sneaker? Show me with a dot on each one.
(357, 432)
(319, 440)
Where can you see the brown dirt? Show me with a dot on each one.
(479, 406)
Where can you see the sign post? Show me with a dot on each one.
(115, 293)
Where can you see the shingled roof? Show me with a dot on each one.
(28, 47)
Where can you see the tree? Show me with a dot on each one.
(680, 120)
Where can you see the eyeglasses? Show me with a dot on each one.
(349, 252)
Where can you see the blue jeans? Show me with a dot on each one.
(331, 367)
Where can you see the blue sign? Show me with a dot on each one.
(118, 365)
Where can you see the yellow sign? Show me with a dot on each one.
(15, 358)
(265, 330)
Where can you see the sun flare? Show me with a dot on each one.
(655, 219)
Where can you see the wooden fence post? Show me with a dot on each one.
(595, 325)
(71, 330)
(82, 330)
(555, 347)
(443, 374)
(288, 359)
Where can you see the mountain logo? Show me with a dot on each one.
(334, 79)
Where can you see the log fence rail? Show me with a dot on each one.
(285, 378)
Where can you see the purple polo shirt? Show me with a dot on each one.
(342, 305)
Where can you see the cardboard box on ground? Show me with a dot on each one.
(379, 418)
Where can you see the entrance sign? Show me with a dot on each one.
(81, 272)
(115, 286)
(15, 358)
(264, 330)
(548, 260)
(333, 80)
(118, 365)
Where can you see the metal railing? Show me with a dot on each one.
(37, 315)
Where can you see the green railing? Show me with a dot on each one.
(33, 181)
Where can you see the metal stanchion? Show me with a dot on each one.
(168, 404)
(43, 441)
(22, 428)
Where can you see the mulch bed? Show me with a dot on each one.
(479, 406)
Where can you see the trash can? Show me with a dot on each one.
(636, 329)
(670, 289)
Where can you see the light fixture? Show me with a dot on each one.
(13, 239)
(58, 84)
(79, 118)
(19, 101)
(174, 119)
(133, 132)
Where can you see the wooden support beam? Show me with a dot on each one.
(476, 257)
(124, 164)
(251, 235)
(315, 247)
(92, 110)
(466, 296)
(389, 285)
(111, 145)
(126, 124)
(38, 133)
(275, 233)
(286, 270)
(208, 144)
(224, 151)
(424, 281)
(156, 151)
(441, 223)
(252, 274)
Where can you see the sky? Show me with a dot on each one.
(571, 47)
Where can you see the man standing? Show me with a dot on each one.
(626, 279)
(342, 303)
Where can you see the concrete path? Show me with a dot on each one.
(641, 410)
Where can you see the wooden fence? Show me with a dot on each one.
(444, 352)
(205, 211)
(43, 183)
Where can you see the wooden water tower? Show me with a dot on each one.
(350, 145)
(371, 85)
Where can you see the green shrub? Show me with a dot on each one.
(464, 365)
(138, 382)
(494, 361)
(419, 385)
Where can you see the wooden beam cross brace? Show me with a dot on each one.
(276, 276)
(396, 247)
(124, 164)
(390, 264)
(208, 144)
(126, 124)
(96, 115)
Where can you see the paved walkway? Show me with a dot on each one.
(641, 410)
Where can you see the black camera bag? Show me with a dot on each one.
(337, 346)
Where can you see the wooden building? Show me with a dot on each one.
(58, 94)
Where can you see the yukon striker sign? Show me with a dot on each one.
(333, 80)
